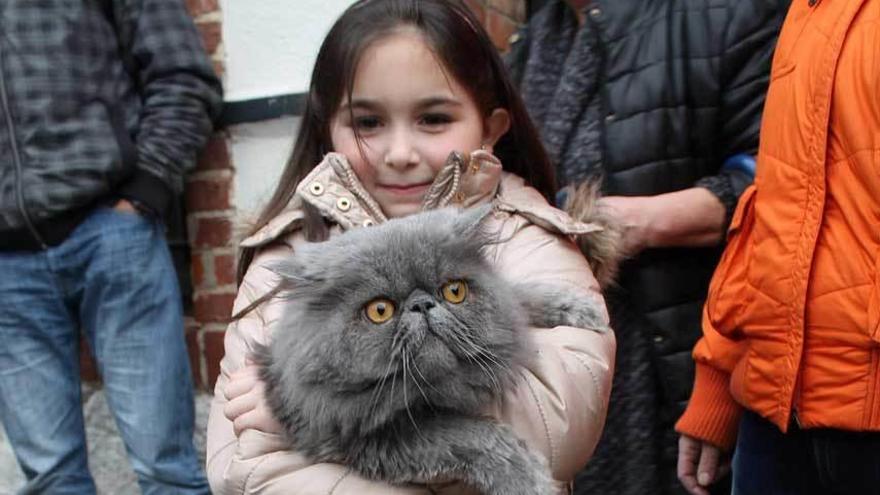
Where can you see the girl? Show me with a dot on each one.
(397, 86)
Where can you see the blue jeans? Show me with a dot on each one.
(804, 462)
(112, 280)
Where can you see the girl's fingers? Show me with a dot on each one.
(259, 418)
(241, 382)
(241, 423)
(240, 405)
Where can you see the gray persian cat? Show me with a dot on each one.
(396, 340)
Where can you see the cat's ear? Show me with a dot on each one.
(295, 272)
(469, 222)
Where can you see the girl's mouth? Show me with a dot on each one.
(406, 189)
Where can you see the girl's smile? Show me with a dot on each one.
(406, 189)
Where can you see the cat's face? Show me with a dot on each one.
(407, 313)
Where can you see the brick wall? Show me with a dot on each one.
(210, 211)
(210, 223)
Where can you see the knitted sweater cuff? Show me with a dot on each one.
(711, 415)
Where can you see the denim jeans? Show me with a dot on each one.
(113, 281)
(804, 462)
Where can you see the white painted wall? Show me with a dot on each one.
(259, 153)
(271, 44)
(270, 48)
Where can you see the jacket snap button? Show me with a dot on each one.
(316, 188)
(658, 338)
(513, 38)
(368, 223)
(610, 117)
(344, 204)
(596, 12)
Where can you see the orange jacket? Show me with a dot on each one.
(792, 324)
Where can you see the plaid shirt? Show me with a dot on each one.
(98, 99)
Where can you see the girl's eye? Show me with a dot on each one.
(379, 310)
(367, 123)
(435, 119)
(455, 291)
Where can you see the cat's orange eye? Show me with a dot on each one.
(455, 291)
(379, 310)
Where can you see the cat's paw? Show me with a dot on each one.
(510, 468)
(551, 306)
(579, 312)
(531, 478)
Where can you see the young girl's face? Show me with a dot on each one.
(410, 114)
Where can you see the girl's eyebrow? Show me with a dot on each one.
(372, 105)
(363, 103)
(434, 101)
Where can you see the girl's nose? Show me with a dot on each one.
(401, 152)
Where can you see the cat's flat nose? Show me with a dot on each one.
(421, 303)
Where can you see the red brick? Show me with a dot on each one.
(500, 28)
(195, 356)
(224, 269)
(213, 307)
(214, 352)
(212, 232)
(215, 155)
(198, 270)
(208, 194)
(211, 35)
(200, 7)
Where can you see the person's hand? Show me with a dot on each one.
(247, 407)
(633, 213)
(700, 464)
(125, 206)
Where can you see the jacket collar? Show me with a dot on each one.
(334, 189)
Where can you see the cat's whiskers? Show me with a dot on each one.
(476, 357)
(397, 349)
(412, 364)
(481, 356)
(427, 382)
(377, 393)
(406, 400)
(482, 351)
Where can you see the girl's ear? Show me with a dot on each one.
(497, 124)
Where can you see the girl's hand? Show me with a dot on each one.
(247, 406)
(699, 464)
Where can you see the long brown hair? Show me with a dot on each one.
(460, 42)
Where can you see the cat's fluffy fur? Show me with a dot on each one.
(404, 401)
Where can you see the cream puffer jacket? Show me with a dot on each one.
(559, 405)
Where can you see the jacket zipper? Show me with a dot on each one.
(16, 158)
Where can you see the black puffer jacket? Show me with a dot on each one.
(98, 99)
(679, 87)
